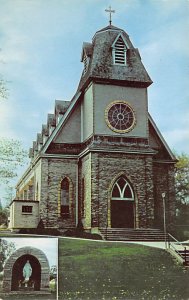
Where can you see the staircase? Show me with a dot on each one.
(185, 256)
(127, 234)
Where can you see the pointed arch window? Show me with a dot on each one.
(65, 198)
(119, 49)
(122, 190)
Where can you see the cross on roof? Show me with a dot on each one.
(110, 11)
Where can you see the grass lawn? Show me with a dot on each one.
(103, 270)
(28, 297)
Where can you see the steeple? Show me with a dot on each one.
(112, 58)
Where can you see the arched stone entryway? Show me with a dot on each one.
(122, 209)
(13, 279)
(17, 274)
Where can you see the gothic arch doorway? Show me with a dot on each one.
(34, 282)
(122, 204)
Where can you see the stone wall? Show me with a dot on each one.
(106, 168)
(85, 187)
(53, 170)
(164, 183)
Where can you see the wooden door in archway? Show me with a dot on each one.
(122, 205)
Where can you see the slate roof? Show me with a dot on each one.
(101, 67)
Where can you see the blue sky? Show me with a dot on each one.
(41, 42)
(48, 245)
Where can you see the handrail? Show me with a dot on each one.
(175, 249)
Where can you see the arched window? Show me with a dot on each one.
(65, 198)
(122, 190)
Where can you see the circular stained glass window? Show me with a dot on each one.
(120, 116)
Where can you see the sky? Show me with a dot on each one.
(40, 58)
(49, 246)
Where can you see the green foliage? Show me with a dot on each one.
(3, 89)
(80, 233)
(182, 180)
(12, 156)
(101, 270)
(40, 231)
(182, 197)
(53, 272)
(6, 249)
(4, 216)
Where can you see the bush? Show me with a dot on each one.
(1, 276)
(181, 232)
(40, 231)
(82, 234)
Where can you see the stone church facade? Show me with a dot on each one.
(100, 160)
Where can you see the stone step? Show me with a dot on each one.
(127, 234)
(184, 254)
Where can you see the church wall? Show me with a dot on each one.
(164, 183)
(86, 191)
(71, 132)
(87, 113)
(53, 170)
(138, 170)
(136, 97)
(37, 181)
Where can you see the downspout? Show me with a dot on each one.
(77, 194)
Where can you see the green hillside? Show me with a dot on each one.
(104, 270)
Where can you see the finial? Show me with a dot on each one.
(110, 11)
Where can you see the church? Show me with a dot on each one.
(100, 160)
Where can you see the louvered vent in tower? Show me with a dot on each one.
(119, 52)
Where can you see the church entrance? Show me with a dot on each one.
(122, 205)
(26, 274)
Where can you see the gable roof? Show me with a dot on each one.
(62, 122)
(162, 146)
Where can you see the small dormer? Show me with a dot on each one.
(45, 133)
(31, 153)
(60, 109)
(35, 151)
(51, 123)
(119, 50)
(39, 141)
(86, 55)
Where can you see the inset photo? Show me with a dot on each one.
(28, 268)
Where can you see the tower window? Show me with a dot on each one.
(119, 51)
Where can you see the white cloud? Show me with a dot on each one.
(6, 116)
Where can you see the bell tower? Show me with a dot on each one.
(114, 82)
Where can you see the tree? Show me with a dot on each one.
(12, 155)
(6, 249)
(182, 190)
(182, 180)
(3, 89)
